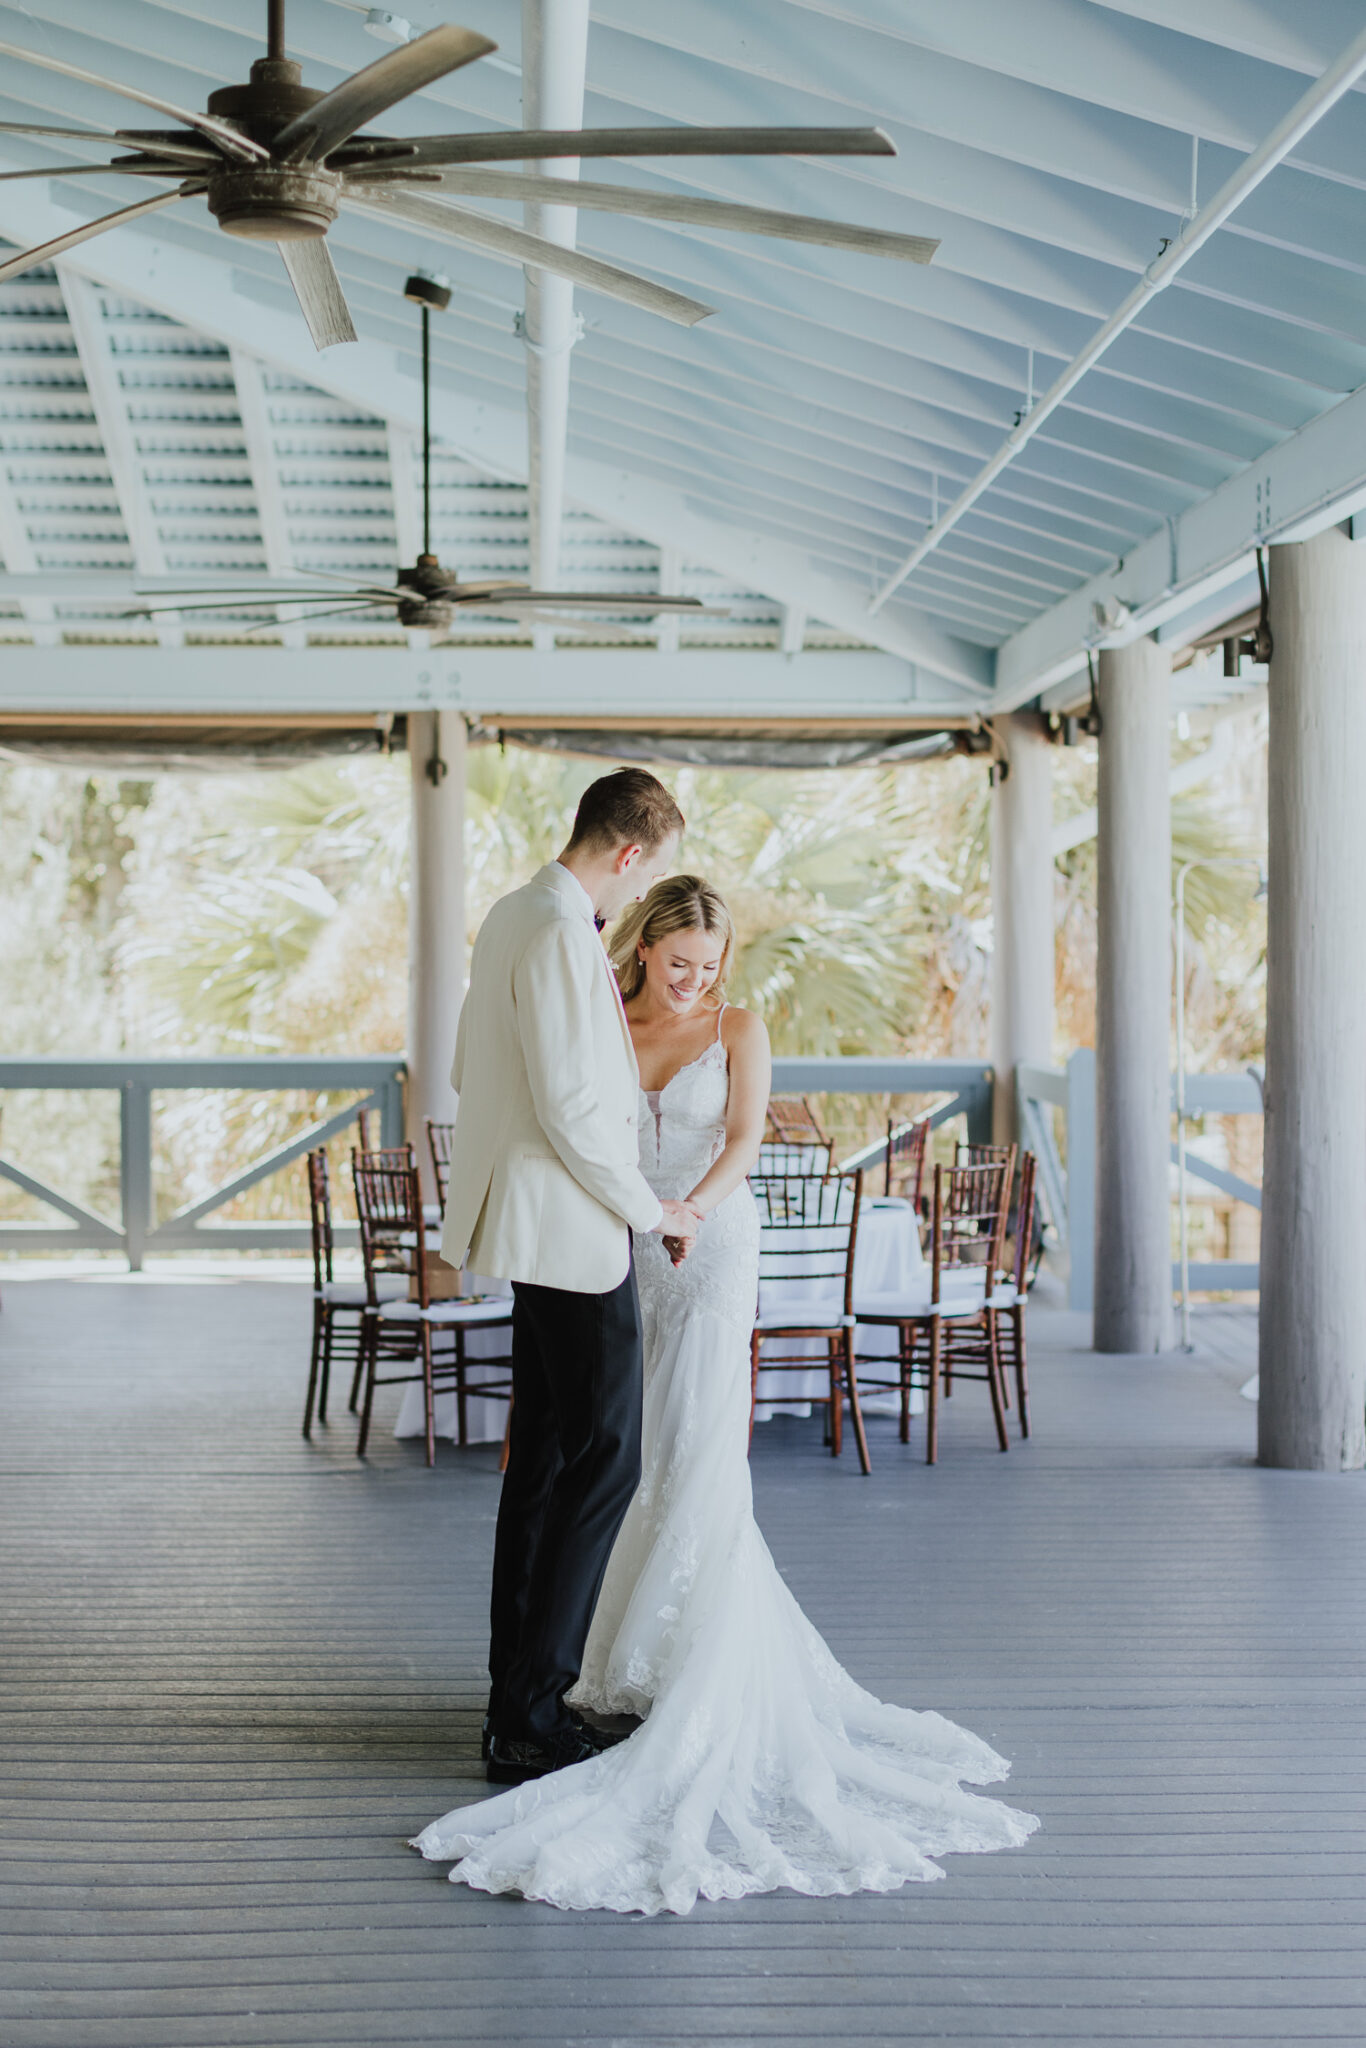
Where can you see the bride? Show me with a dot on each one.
(759, 1762)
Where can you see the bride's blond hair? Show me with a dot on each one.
(681, 903)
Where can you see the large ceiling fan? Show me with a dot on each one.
(276, 160)
(428, 596)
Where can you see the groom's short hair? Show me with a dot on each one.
(630, 807)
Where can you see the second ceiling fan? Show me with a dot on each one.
(428, 596)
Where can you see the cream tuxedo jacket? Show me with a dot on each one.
(544, 1164)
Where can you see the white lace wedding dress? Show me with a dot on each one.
(761, 1763)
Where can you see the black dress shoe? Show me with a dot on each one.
(601, 1738)
(512, 1763)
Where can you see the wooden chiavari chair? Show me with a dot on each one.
(338, 1307)
(954, 1322)
(809, 1232)
(393, 1241)
(792, 1121)
(440, 1140)
(968, 1154)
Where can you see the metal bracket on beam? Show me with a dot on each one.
(575, 336)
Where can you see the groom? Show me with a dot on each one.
(545, 1191)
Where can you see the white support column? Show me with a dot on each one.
(1313, 1278)
(436, 925)
(1022, 959)
(1133, 1250)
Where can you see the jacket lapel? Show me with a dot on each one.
(553, 876)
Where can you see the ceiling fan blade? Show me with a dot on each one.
(147, 170)
(317, 287)
(233, 601)
(668, 206)
(515, 245)
(393, 77)
(517, 143)
(45, 251)
(228, 139)
(647, 603)
(601, 629)
(359, 613)
(197, 154)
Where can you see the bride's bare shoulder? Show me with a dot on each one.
(742, 1028)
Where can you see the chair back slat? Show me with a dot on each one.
(779, 1158)
(1024, 1221)
(320, 1216)
(440, 1143)
(389, 1206)
(905, 1169)
(983, 1155)
(971, 1205)
(808, 1227)
(792, 1121)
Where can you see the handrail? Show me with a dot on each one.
(968, 1082)
(136, 1081)
(969, 1086)
(1068, 1192)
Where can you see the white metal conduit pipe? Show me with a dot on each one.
(554, 64)
(1324, 94)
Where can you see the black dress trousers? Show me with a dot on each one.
(573, 1465)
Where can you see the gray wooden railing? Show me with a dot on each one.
(136, 1230)
(1068, 1191)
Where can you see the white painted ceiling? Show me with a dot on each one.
(162, 411)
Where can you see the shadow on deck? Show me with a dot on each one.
(243, 1669)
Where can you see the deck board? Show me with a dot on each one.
(241, 1669)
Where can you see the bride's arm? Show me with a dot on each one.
(746, 1108)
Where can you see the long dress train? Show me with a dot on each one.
(760, 1763)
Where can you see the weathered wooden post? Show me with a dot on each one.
(436, 925)
(1313, 1277)
(1133, 1250)
(1022, 912)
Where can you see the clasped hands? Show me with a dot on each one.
(678, 1226)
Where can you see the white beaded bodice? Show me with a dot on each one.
(682, 1133)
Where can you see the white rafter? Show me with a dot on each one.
(554, 64)
(110, 407)
(16, 547)
(254, 407)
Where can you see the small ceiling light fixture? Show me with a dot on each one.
(426, 289)
(386, 27)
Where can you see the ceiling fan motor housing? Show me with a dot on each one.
(271, 202)
(439, 588)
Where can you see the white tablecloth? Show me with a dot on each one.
(887, 1260)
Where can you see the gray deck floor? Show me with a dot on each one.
(241, 1670)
